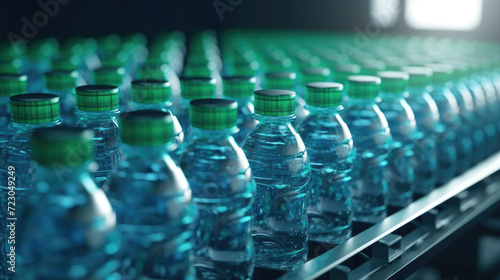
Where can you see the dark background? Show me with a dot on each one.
(96, 17)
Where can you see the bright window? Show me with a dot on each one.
(444, 14)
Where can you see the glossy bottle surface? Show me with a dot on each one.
(281, 169)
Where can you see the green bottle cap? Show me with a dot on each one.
(442, 73)
(342, 71)
(62, 146)
(372, 67)
(155, 71)
(280, 80)
(146, 128)
(213, 113)
(200, 69)
(150, 91)
(315, 74)
(67, 63)
(96, 98)
(324, 94)
(114, 60)
(197, 88)
(109, 76)
(419, 76)
(11, 66)
(61, 80)
(12, 84)
(393, 81)
(274, 102)
(363, 87)
(34, 108)
(246, 68)
(239, 86)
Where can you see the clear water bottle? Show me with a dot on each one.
(191, 89)
(28, 112)
(97, 109)
(427, 117)
(240, 89)
(472, 135)
(372, 137)
(152, 199)
(331, 152)
(451, 147)
(149, 94)
(399, 115)
(115, 76)
(482, 120)
(281, 169)
(68, 217)
(492, 104)
(62, 84)
(9, 85)
(223, 190)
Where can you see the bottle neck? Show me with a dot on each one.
(313, 110)
(362, 101)
(31, 127)
(4, 108)
(59, 176)
(213, 133)
(111, 114)
(146, 153)
(274, 120)
(392, 96)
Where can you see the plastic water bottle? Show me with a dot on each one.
(28, 112)
(427, 117)
(97, 109)
(152, 200)
(453, 149)
(67, 217)
(191, 89)
(281, 169)
(62, 84)
(331, 152)
(400, 172)
(223, 190)
(155, 95)
(9, 85)
(115, 76)
(468, 130)
(372, 137)
(240, 89)
(482, 120)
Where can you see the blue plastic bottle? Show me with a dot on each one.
(399, 115)
(62, 84)
(223, 190)
(152, 200)
(152, 94)
(240, 89)
(331, 152)
(68, 218)
(281, 169)
(9, 85)
(193, 88)
(97, 109)
(372, 137)
(449, 136)
(482, 116)
(472, 135)
(28, 112)
(427, 117)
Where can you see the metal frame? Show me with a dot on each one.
(341, 253)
